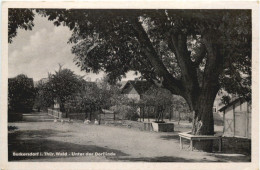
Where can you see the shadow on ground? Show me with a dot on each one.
(43, 133)
(175, 137)
(35, 141)
(233, 149)
(158, 159)
(224, 157)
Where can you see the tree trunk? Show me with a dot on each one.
(170, 111)
(143, 114)
(62, 109)
(149, 109)
(203, 123)
(179, 117)
(90, 115)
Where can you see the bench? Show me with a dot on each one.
(191, 137)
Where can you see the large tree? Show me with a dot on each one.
(192, 53)
(44, 96)
(61, 85)
(21, 94)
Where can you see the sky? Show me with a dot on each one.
(37, 52)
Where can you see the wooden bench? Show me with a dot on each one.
(191, 137)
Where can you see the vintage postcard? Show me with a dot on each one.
(130, 85)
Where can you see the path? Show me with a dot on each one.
(122, 144)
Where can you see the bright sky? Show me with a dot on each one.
(37, 52)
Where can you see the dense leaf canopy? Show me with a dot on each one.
(21, 93)
(182, 49)
(19, 18)
(116, 41)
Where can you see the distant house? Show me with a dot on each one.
(134, 89)
(237, 118)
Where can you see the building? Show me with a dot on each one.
(237, 118)
(134, 89)
(217, 115)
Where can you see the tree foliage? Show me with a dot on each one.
(117, 41)
(174, 44)
(60, 86)
(157, 97)
(19, 18)
(44, 96)
(94, 97)
(85, 99)
(21, 94)
(63, 83)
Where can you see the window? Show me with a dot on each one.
(214, 109)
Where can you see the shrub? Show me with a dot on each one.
(125, 112)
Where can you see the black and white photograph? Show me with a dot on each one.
(149, 85)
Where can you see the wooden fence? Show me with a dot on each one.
(56, 113)
(107, 115)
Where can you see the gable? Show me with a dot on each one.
(132, 91)
(140, 87)
(127, 88)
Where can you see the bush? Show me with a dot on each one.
(132, 116)
(125, 112)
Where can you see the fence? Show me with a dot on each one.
(107, 116)
(77, 116)
(56, 113)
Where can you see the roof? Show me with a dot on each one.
(122, 84)
(140, 86)
(231, 103)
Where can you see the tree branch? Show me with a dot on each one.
(214, 64)
(178, 44)
(173, 84)
(200, 56)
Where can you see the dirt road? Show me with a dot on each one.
(58, 141)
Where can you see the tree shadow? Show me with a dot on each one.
(30, 134)
(233, 149)
(28, 141)
(159, 159)
(233, 157)
(174, 137)
(37, 141)
(170, 137)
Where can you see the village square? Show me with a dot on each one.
(146, 85)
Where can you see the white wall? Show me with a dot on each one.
(241, 126)
(229, 122)
(133, 95)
